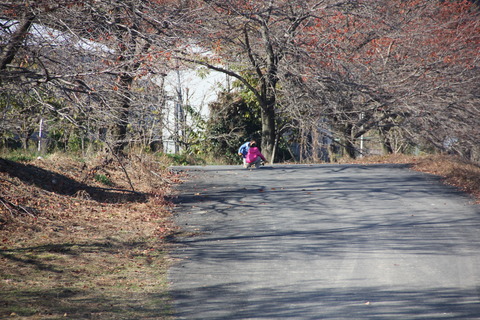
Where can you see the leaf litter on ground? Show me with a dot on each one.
(70, 245)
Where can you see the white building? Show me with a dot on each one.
(193, 87)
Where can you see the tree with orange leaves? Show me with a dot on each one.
(363, 65)
(399, 66)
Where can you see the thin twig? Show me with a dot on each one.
(18, 208)
(123, 168)
(6, 207)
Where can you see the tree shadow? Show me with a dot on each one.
(232, 301)
(31, 256)
(63, 185)
(275, 219)
(68, 296)
(66, 303)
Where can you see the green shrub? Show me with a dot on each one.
(20, 156)
(185, 159)
(103, 179)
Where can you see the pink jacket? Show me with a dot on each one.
(253, 154)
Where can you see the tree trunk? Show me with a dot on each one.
(348, 143)
(386, 141)
(9, 51)
(268, 131)
(122, 125)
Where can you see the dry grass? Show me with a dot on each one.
(72, 247)
(455, 171)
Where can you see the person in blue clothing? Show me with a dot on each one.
(243, 150)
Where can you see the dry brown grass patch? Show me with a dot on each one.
(73, 247)
(455, 171)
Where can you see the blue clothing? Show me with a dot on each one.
(244, 149)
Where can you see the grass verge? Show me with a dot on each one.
(72, 249)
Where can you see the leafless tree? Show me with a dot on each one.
(346, 68)
(385, 65)
(91, 55)
(250, 40)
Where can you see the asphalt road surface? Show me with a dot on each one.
(324, 242)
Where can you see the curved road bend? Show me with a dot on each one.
(324, 242)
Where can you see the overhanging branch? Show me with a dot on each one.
(227, 72)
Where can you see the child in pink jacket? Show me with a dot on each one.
(254, 156)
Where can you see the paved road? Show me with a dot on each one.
(324, 242)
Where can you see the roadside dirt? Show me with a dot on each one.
(76, 242)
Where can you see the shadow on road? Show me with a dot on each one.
(306, 242)
(335, 303)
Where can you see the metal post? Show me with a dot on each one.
(40, 133)
(362, 115)
(178, 113)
